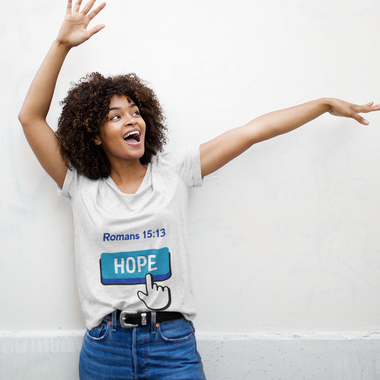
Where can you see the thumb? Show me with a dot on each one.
(359, 119)
(142, 295)
(95, 30)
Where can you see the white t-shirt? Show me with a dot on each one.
(132, 249)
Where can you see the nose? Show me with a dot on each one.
(129, 120)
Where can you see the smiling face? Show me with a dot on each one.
(123, 134)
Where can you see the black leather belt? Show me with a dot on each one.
(134, 319)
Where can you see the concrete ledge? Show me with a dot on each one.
(343, 356)
(346, 356)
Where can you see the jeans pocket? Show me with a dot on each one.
(180, 330)
(100, 333)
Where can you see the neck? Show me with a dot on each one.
(128, 176)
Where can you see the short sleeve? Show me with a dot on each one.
(69, 185)
(187, 164)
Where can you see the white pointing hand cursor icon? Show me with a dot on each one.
(156, 297)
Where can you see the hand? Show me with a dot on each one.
(156, 297)
(74, 31)
(341, 108)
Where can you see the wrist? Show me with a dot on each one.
(62, 46)
(326, 104)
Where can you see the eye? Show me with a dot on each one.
(115, 117)
(136, 113)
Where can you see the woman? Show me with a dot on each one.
(129, 205)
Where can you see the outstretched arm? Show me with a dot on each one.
(36, 106)
(224, 148)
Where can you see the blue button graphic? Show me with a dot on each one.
(127, 268)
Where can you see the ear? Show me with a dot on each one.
(97, 140)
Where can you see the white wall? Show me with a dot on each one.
(285, 238)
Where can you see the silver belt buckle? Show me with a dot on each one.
(124, 315)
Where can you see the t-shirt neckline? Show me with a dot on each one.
(144, 184)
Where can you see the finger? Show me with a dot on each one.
(370, 108)
(77, 5)
(362, 108)
(88, 7)
(69, 6)
(96, 11)
(148, 282)
(95, 30)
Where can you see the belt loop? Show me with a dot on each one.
(114, 320)
(153, 322)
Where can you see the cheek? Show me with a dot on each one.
(109, 132)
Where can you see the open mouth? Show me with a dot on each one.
(132, 137)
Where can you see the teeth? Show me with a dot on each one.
(132, 133)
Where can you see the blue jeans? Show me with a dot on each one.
(158, 351)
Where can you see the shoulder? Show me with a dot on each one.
(179, 156)
(75, 181)
(184, 162)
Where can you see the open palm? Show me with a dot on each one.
(74, 31)
(341, 108)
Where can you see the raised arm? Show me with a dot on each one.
(40, 136)
(224, 148)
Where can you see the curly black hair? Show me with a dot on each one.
(85, 111)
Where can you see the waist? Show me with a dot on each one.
(130, 319)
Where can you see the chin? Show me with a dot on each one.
(138, 155)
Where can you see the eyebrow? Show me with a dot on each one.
(118, 108)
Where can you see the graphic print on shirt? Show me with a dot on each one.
(140, 267)
(157, 297)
